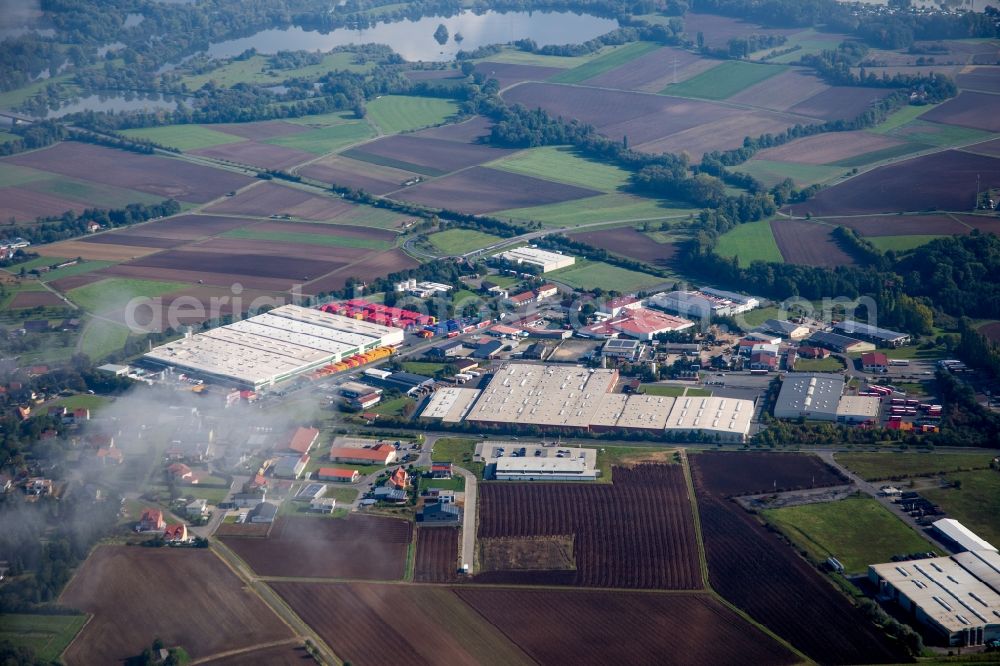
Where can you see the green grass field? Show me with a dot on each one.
(936, 134)
(616, 57)
(771, 173)
(7, 137)
(667, 390)
(810, 41)
(326, 139)
(392, 407)
(46, 635)
(724, 81)
(81, 401)
(456, 483)
(753, 241)
(101, 338)
(518, 57)
(307, 238)
(460, 241)
(427, 368)
(880, 466)
(114, 293)
(606, 208)
(252, 70)
(976, 504)
(183, 137)
(857, 531)
(458, 450)
(324, 119)
(901, 243)
(12, 175)
(829, 364)
(592, 274)
(91, 194)
(901, 117)
(403, 113)
(75, 269)
(563, 165)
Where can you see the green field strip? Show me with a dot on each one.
(586, 274)
(76, 269)
(7, 137)
(46, 635)
(324, 119)
(901, 243)
(513, 56)
(90, 194)
(114, 293)
(753, 241)
(725, 80)
(561, 164)
(12, 175)
(880, 155)
(102, 338)
(606, 62)
(606, 208)
(403, 113)
(183, 137)
(253, 70)
(306, 238)
(326, 139)
(901, 117)
(939, 134)
(772, 172)
(360, 154)
(460, 241)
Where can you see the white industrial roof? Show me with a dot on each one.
(609, 410)
(531, 464)
(646, 411)
(961, 535)
(535, 255)
(450, 403)
(711, 414)
(858, 406)
(983, 564)
(950, 595)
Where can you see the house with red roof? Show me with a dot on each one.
(175, 533)
(875, 362)
(182, 473)
(302, 440)
(380, 454)
(338, 474)
(151, 521)
(399, 479)
(441, 470)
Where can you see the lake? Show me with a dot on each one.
(954, 5)
(414, 40)
(113, 102)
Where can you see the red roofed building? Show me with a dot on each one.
(380, 454)
(762, 361)
(875, 362)
(546, 291)
(638, 323)
(181, 472)
(399, 479)
(151, 520)
(812, 352)
(522, 299)
(302, 440)
(338, 474)
(441, 470)
(175, 533)
(614, 306)
(110, 456)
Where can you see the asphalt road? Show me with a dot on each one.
(468, 546)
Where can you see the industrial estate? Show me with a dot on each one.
(543, 333)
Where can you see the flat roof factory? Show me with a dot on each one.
(543, 259)
(820, 397)
(279, 345)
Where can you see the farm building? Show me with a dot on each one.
(301, 440)
(380, 454)
(439, 513)
(264, 512)
(883, 337)
(338, 474)
(786, 329)
(944, 595)
(274, 347)
(450, 404)
(291, 467)
(627, 349)
(840, 344)
(637, 323)
(542, 259)
(811, 396)
(875, 362)
(959, 536)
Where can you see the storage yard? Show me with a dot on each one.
(263, 351)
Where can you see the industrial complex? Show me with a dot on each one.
(541, 259)
(270, 348)
(573, 397)
(820, 397)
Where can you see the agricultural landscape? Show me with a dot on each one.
(285, 288)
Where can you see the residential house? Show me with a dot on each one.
(546, 291)
(761, 361)
(440, 513)
(441, 470)
(264, 512)
(151, 521)
(197, 508)
(380, 454)
(181, 473)
(389, 495)
(807, 351)
(109, 456)
(247, 500)
(175, 533)
(323, 505)
(439, 495)
(338, 474)
(399, 479)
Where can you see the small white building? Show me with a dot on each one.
(544, 469)
(197, 508)
(323, 505)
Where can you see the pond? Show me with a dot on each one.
(415, 41)
(113, 102)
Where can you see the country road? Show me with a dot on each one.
(468, 546)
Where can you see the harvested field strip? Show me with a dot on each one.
(839, 102)
(182, 137)
(429, 624)
(628, 242)
(724, 81)
(727, 475)
(361, 547)
(437, 155)
(772, 173)
(307, 238)
(35, 299)
(345, 172)
(828, 147)
(437, 555)
(94, 251)
(636, 532)
(880, 155)
(607, 61)
(563, 165)
(190, 598)
(970, 109)
(782, 91)
(269, 198)
(902, 225)
(901, 243)
(593, 624)
(373, 266)
(392, 163)
(403, 113)
(261, 131)
(750, 242)
(256, 154)
(653, 70)
(808, 244)
(723, 134)
(508, 74)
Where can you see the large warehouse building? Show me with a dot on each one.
(820, 397)
(543, 259)
(270, 348)
(557, 396)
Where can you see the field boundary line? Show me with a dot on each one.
(90, 616)
(704, 564)
(244, 650)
